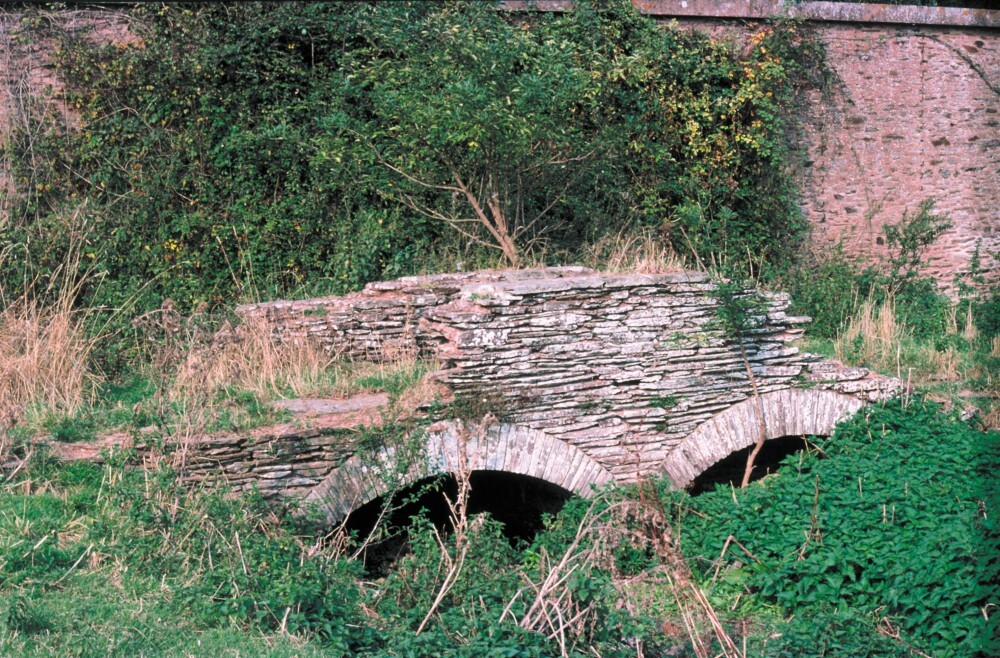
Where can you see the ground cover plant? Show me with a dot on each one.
(891, 317)
(882, 528)
(879, 541)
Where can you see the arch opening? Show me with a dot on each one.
(729, 470)
(518, 502)
(787, 412)
(508, 449)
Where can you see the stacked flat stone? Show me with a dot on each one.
(379, 322)
(622, 366)
(284, 463)
(594, 378)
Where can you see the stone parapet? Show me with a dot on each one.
(589, 378)
(831, 12)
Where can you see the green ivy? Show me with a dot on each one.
(254, 149)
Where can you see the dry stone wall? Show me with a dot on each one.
(381, 321)
(590, 378)
(623, 367)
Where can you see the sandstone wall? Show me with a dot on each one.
(913, 114)
(916, 116)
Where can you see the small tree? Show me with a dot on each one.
(472, 117)
(741, 309)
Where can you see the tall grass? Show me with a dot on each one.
(249, 358)
(873, 337)
(955, 368)
(45, 347)
(44, 358)
(640, 253)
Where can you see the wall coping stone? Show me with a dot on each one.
(827, 12)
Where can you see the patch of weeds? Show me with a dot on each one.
(800, 381)
(131, 403)
(885, 521)
(664, 402)
(75, 428)
(375, 437)
(20, 615)
(392, 380)
(240, 410)
(133, 389)
(473, 406)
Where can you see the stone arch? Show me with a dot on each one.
(789, 412)
(507, 448)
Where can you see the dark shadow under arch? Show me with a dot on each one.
(504, 449)
(788, 412)
(729, 470)
(518, 502)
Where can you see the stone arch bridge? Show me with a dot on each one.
(602, 377)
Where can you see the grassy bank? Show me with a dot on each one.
(878, 541)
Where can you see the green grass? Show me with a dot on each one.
(140, 403)
(110, 560)
(144, 402)
(99, 561)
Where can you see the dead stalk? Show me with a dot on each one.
(760, 418)
(458, 513)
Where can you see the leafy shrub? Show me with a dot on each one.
(832, 634)
(886, 520)
(831, 288)
(262, 149)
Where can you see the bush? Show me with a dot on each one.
(885, 519)
(832, 287)
(832, 634)
(260, 149)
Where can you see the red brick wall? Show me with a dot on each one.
(914, 114)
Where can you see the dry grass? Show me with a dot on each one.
(944, 370)
(876, 339)
(554, 611)
(640, 254)
(44, 364)
(873, 336)
(44, 359)
(251, 360)
(45, 349)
